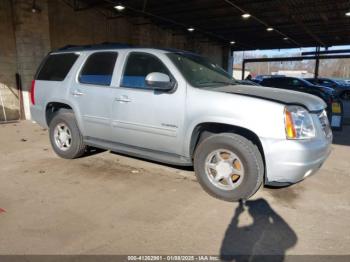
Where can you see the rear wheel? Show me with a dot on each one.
(228, 166)
(65, 136)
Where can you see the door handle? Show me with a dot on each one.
(123, 99)
(77, 93)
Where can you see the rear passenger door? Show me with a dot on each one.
(93, 95)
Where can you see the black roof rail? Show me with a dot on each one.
(104, 45)
(109, 45)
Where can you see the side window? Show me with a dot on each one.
(274, 82)
(138, 66)
(98, 69)
(291, 82)
(296, 83)
(56, 67)
(279, 82)
(266, 82)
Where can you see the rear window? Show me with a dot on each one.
(56, 67)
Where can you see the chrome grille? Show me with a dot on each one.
(325, 124)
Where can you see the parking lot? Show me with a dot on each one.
(111, 204)
(154, 79)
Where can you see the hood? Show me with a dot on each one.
(326, 89)
(312, 103)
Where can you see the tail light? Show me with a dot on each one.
(32, 93)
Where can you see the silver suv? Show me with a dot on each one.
(179, 108)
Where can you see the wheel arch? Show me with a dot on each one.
(205, 129)
(53, 107)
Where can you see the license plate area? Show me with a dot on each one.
(336, 108)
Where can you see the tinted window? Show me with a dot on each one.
(56, 67)
(294, 82)
(273, 82)
(98, 69)
(138, 66)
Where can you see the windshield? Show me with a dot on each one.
(199, 71)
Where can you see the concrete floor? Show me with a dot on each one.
(111, 204)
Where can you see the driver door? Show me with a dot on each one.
(142, 117)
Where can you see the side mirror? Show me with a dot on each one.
(159, 81)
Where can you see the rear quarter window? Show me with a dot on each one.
(56, 67)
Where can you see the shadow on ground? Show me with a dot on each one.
(91, 151)
(268, 234)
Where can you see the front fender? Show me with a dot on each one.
(213, 120)
(262, 117)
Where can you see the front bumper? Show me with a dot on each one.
(290, 161)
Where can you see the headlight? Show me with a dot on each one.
(298, 123)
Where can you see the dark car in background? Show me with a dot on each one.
(260, 78)
(329, 95)
(247, 82)
(342, 87)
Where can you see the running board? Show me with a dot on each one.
(139, 152)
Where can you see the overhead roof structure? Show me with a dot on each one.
(266, 24)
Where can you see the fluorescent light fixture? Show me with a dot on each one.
(246, 16)
(190, 29)
(35, 9)
(119, 7)
(269, 29)
(285, 38)
(347, 14)
(232, 42)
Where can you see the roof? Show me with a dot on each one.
(296, 23)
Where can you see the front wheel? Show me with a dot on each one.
(228, 166)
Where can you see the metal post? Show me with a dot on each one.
(243, 69)
(3, 106)
(230, 62)
(20, 96)
(317, 64)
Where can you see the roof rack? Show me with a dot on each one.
(108, 45)
(105, 45)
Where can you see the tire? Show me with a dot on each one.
(249, 157)
(77, 148)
